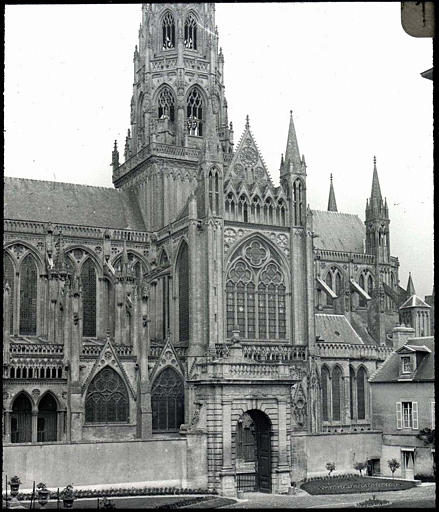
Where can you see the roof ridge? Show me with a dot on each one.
(61, 183)
(335, 213)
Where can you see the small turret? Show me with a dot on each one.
(332, 203)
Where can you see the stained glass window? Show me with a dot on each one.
(88, 278)
(190, 33)
(9, 277)
(107, 399)
(28, 296)
(361, 393)
(325, 394)
(336, 394)
(167, 400)
(166, 104)
(21, 420)
(183, 292)
(195, 113)
(168, 31)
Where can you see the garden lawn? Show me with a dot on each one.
(354, 484)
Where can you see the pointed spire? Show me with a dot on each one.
(332, 204)
(375, 194)
(247, 122)
(292, 153)
(410, 286)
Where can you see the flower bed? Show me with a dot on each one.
(354, 484)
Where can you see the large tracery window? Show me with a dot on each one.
(107, 399)
(190, 33)
(195, 113)
(183, 292)
(168, 30)
(256, 296)
(166, 104)
(28, 296)
(9, 277)
(88, 279)
(167, 400)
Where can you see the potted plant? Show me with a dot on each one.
(68, 496)
(43, 494)
(14, 483)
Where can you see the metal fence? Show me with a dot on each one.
(246, 482)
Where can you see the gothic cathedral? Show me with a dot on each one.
(196, 298)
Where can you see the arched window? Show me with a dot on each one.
(325, 394)
(243, 208)
(297, 203)
(21, 420)
(336, 394)
(195, 113)
(190, 33)
(28, 296)
(256, 299)
(107, 399)
(88, 278)
(183, 292)
(370, 285)
(351, 391)
(362, 301)
(361, 393)
(167, 400)
(166, 104)
(168, 31)
(47, 419)
(328, 281)
(9, 277)
(108, 307)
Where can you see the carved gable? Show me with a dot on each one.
(168, 357)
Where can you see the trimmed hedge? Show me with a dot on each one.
(354, 484)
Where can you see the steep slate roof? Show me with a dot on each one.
(338, 231)
(414, 302)
(67, 203)
(389, 371)
(327, 327)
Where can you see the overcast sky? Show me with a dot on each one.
(348, 71)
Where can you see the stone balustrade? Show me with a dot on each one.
(335, 350)
(325, 254)
(282, 353)
(26, 349)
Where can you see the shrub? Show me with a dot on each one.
(330, 466)
(360, 466)
(393, 466)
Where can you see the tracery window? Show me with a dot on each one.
(336, 394)
(195, 113)
(168, 31)
(325, 394)
(190, 33)
(166, 104)
(255, 290)
(361, 393)
(167, 400)
(28, 296)
(9, 277)
(88, 279)
(107, 398)
(21, 420)
(334, 280)
(183, 292)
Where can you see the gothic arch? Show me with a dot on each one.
(29, 295)
(167, 400)
(361, 392)
(191, 33)
(87, 254)
(136, 257)
(167, 25)
(90, 297)
(326, 392)
(37, 256)
(22, 406)
(160, 101)
(196, 109)
(183, 289)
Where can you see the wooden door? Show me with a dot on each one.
(264, 457)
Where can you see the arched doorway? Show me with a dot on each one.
(21, 420)
(47, 419)
(253, 452)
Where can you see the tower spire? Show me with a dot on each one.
(375, 194)
(332, 203)
(292, 153)
(410, 286)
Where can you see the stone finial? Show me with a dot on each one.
(247, 121)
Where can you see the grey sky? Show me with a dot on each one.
(347, 70)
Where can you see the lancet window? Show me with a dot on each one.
(336, 393)
(334, 280)
(21, 420)
(195, 113)
(298, 203)
(28, 296)
(9, 277)
(107, 399)
(88, 280)
(47, 419)
(165, 105)
(361, 393)
(168, 31)
(366, 282)
(167, 401)
(214, 191)
(183, 292)
(190, 33)
(256, 295)
(325, 394)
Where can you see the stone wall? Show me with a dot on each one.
(311, 452)
(161, 462)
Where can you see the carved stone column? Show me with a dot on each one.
(34, 426)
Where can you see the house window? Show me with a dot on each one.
(406, 365)
(407, 415)
(107, 399)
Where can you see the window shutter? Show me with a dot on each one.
(398, 415)
(415, 415)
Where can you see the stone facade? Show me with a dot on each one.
(198, 279)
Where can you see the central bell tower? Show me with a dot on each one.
(178, 92)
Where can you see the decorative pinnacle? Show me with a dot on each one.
(247, 121)
(374, 160)
(115, 145)
(291, 113)
(330, 176)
